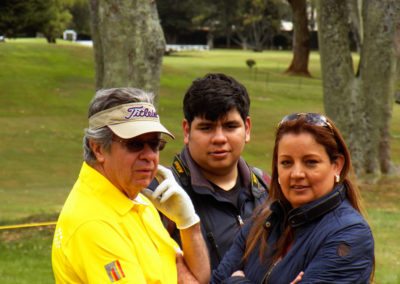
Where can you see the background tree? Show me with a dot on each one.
(181, 18)
(256, 23)
(216, 16)
(224, 15)
(29, 17)
(80, 21)
(128, 43)
(57, 18)
(301, 39)
(177, 17)
(360, 102)
(14, 16)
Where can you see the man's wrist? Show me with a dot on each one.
(193, 220)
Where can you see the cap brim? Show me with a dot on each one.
(132, 129)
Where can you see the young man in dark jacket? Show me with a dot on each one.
(223, 187)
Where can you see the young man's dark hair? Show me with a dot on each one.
(213, 96)
(223, 188)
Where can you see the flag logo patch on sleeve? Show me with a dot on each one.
(114, 271)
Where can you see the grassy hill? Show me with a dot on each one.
(44, 94)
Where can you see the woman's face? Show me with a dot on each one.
(304, 169)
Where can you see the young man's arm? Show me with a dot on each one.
(170, 198)
(195, 253)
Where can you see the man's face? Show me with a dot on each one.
(216, 146)
(130, 170)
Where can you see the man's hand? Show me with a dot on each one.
(170, 198)
(238, 273)
(298, 278)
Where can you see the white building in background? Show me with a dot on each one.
(286, 26)
(70, 35)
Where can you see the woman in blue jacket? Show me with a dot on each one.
(311, 229)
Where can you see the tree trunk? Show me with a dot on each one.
(228, 34)
(210, 39)
(361, 106)
(171, 38)
(128, 43)
(50, 39)
(301, 39)
(378, 71)
(356, 27)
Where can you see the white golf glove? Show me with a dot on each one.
(171, 200)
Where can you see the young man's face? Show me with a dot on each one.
(216, 146)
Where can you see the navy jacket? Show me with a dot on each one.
(335, 247)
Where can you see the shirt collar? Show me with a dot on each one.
(104, 190)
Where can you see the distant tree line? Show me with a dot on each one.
(249, 24)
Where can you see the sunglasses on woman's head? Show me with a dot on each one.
(136, 145)
(310, 117)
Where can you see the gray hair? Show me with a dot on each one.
(105, 99)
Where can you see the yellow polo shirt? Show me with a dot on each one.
(104, 237)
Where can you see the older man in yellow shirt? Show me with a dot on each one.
(109, 229)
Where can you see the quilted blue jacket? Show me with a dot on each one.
(332, 244)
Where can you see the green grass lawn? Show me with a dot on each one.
(44, 93)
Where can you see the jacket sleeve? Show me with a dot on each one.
(237, 280)
(346, 256)
(232, 260)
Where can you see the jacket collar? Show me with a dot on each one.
(198, 180)
(309, 212)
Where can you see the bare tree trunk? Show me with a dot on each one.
(360, 105)
(128, 43)
(378, 71)
(301, 39)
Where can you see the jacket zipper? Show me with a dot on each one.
(239, 220)
(268, 274)
(241, 210)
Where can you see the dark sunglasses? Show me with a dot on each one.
(311, 118)
(137, 145)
